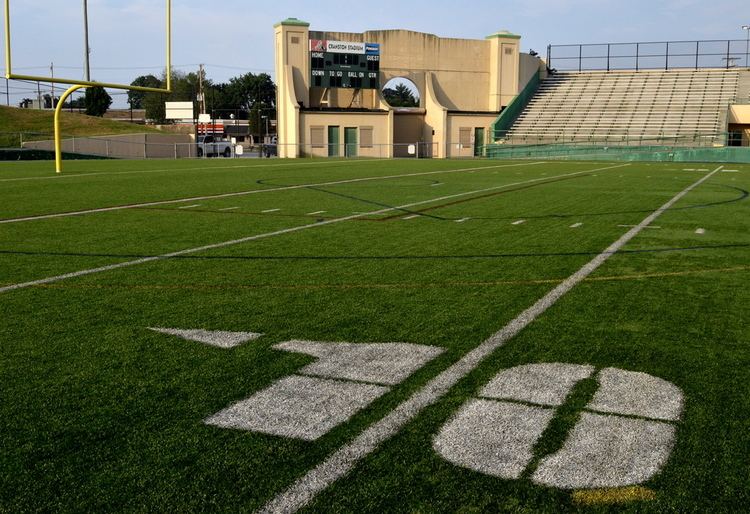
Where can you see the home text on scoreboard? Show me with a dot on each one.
(344, 64)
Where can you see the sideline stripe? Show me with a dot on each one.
(250, 192)
(338, 464)
(223, 244)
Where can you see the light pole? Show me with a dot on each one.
(746, 28)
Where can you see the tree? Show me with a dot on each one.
(254, 93)
(184, 89)
(48, 103)
(75, 103)
(400, 96)
(248, 96)
(135, 98)
(97, 101)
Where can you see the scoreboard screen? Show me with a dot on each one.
(344, 64)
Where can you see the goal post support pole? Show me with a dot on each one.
(58, 135)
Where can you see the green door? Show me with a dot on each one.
(478, 142)
(350, 141)
(333, 141)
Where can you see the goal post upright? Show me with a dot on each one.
(79, 84)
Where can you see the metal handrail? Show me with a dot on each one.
(732, 50)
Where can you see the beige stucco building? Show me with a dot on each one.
(463, 85)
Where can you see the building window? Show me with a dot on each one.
(317, 137)
(464, 137)
(365, 137)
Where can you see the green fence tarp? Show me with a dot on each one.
(729, 154)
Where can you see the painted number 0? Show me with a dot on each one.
(623, 437)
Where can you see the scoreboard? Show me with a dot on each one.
(344, 64)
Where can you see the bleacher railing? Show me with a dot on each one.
(650, 55)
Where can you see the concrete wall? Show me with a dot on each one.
(528, 66)
(739, 120)
(454, 148)
(130, 146)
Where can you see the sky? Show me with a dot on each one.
(233, 37)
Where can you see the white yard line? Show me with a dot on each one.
(339, 463)
(576, 225)
(700, 231)
(631, 226)
(730, 171)
(229, 208)
(251, 192)
(164, 170)
(411, 217)
(519, 222)
(462, 220)
(223, 244)
(270, 210)
(316, 212)
(190, 206)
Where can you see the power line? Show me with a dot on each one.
(126, 68)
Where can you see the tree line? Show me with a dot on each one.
(247, 97)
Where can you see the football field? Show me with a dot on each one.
(374, 336)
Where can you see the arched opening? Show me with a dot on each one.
(401, 92)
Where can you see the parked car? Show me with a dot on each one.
(212, 146)
(270, 148)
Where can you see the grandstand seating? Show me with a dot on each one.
(629, 107)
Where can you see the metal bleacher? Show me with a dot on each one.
(629, 107)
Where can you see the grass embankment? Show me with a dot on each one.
(36, 124)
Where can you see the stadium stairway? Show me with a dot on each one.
(684, 107)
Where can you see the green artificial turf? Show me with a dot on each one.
(100, 414)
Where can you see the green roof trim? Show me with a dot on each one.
(293, 21)
(505, 34)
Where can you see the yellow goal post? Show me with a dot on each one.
(76, 84)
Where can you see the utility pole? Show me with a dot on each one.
(201, 97)
(39, 93)
(86, 49)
